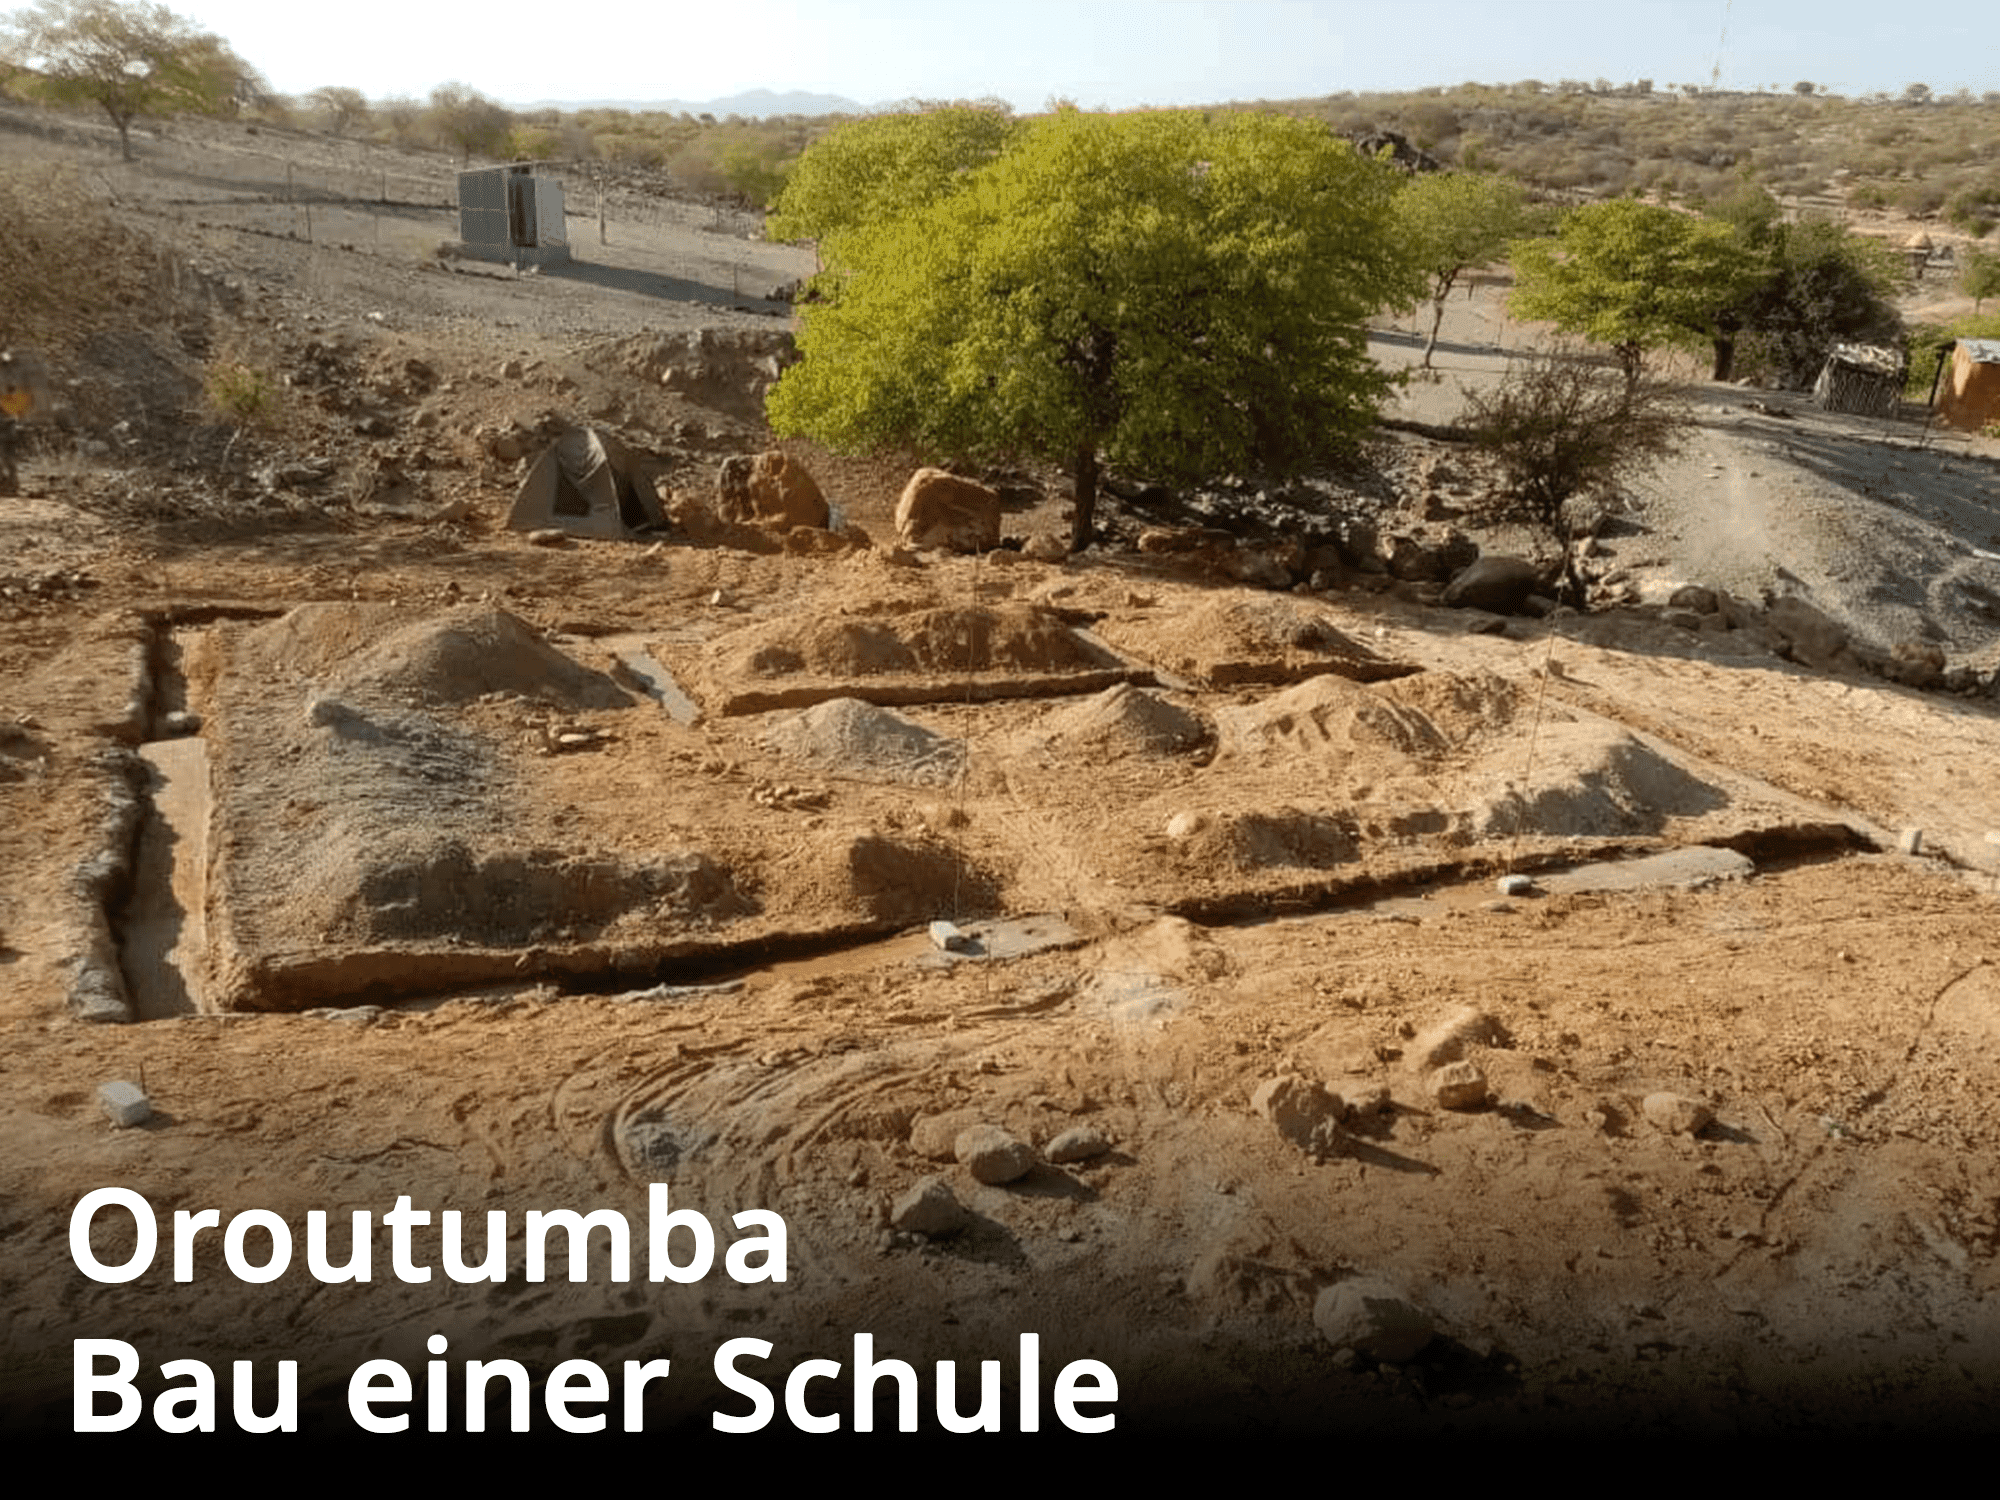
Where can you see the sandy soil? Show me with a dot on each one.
(486, 927)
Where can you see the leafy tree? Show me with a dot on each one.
(1979, 278)
(129, 60)
(340, 109)
(871, 168)
(468, 121)
(1633, 276)
(1158, 290)
(1453, 221)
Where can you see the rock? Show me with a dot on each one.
(1816, 639)
(1917, 664)
(126, 1103)
(1911, 841)
(1266, 565)
(513, 369)
(1185, 825)
(1045, 547)
(1693, 597)
(941, 510)
(1372, 1319)
(950, 937)
(993, 1156)
(1676, 1113)
(1451, 1038)
(548, 536)
(1500, 585)
(1305, 1113)
(1458, 1085)
(935, 1137)
(1514, 885)
(1078, 1143)
(930, 1208)
(769, 490)
(1427, 553)
(181, 722)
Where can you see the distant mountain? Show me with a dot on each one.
(756, 104)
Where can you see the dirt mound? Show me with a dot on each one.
(1255, 638)
(1008, 638)
(1422, 719)
(886, 879)
(455, 657)
(540, 896)
(1281, 838)
(847, 737)
(1588, 779)
(1122, 720)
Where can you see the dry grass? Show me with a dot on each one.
(70, 268)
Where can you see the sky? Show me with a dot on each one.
(1113, 54)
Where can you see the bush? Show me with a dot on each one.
(242, 393)
(1560, 426)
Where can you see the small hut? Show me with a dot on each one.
(509, 214)
(1862, 379)
(1970, 395)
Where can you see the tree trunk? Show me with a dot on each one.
(1086, 497)
(1437, 321)
(1725, 357)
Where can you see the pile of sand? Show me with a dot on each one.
(377, 651)
(847, 737)
(888, 880)
(1008, 638)
(1420, 719)
(1590, 779)
(1122, 720)
(1251, 639)
(1281, 838)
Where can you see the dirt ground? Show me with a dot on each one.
(446, 907)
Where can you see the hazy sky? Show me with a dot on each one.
(1101, 53)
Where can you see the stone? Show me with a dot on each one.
(1305, 1113)
(1911, 841)
(1427, 553)
(1458, 1085)
(930, 1208)
(1917, 664)
(943, 511)
(1451, 1038)
(770, 490)
(548, 536)
(1185, 825)
(950, 937)
(1816, 639)
(1499, 585)
(1372, 1319)
(1045, 547)
(993, 1156)
(1514, 885)
(1078, 1143)
(935, 1137)
(1676, 1114)
(126, 1103)
(1695, 598)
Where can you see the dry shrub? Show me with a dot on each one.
(69, 267)
(1561, 426)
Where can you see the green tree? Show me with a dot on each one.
(1453, 221)
(1161, 291)
(872, 168)
(129, 60)
(1979, 277)
(1633, 276)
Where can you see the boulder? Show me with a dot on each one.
(1500, 585)
(1815, 638)
(1372, 1319)
(993, 1156)
(942, 510)
(1305, 1112)
(1426, 553)
(769, 490)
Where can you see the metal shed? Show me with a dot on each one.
(509, 214)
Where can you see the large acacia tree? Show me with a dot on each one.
(128, 60)
(1165, 292)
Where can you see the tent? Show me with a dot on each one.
(586, 483)
(1970, 397)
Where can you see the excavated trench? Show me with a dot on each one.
(161, 907)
